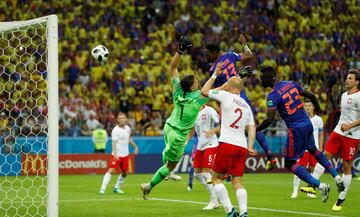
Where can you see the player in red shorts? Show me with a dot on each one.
(121, 138)
(308, 159)
(236, 116)
(206, 149)
(345, 138)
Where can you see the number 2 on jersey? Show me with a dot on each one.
(233, 125)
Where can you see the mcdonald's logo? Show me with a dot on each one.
(34, 164)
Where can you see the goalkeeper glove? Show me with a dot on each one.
(185, 44)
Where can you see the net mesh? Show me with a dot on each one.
(23, 119)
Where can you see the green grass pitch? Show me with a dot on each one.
(268, 195)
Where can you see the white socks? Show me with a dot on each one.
(223, 195)
(296, 184)
(119, 181)
(106, 180)
(203, 177)
(318, 171)
(347, 181)
(241, 195)
(210, 188)
(200, 178)
(322, 186)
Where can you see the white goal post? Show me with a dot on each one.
(29, 110)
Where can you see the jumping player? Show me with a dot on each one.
(229, 70)
(187, 101)
(285, 98)
(308, 159)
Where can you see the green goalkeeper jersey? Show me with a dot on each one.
(186, 108)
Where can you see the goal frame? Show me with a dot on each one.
(53, 105)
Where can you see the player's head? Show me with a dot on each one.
(212, 51)
(353, 79)
(268, 76)
(189, 83)
(235, 85)
(121, 119)
(309, 107)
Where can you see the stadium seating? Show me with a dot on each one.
(311, 42)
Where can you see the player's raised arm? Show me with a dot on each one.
(209, 84)
(270, 115)
(247, 54)
(312, 98)
(185, 43)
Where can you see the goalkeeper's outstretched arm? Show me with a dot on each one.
(185, 44)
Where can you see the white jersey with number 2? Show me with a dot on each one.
(236, 114)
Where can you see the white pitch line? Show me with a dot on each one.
(175, 201)
(254, 208)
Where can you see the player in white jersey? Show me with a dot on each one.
(121, 138)
(236, 116)
(308, 159)
(346, 135)
(207, 143)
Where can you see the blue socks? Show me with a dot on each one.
(304, 175)
(260, 138)
(321, 159)
(191, 176)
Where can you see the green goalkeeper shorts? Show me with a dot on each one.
(174, 144)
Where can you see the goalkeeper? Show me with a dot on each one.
(187, 101)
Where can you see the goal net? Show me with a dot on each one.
(29, 117)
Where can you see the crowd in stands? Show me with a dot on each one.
(313, 42)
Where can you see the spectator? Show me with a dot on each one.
(99, 138)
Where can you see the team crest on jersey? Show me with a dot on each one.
(203, 116)
(270, 103)
(349, 101)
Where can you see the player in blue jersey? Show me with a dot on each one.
(285, 98)
(229, 70)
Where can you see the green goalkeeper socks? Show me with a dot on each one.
(159, 175)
